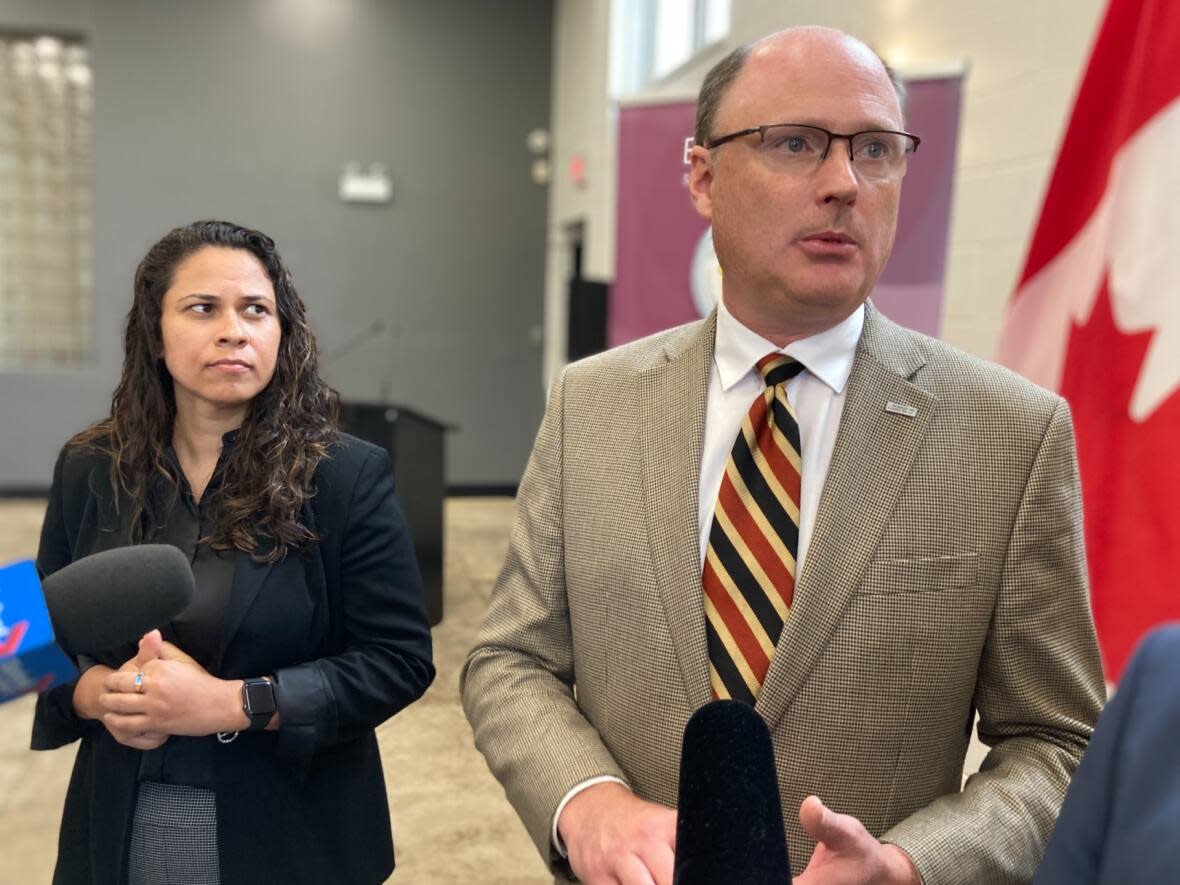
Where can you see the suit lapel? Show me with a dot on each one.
(874, 449)
(249, 576)
(672, 400)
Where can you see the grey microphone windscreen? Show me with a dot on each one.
(109, 599)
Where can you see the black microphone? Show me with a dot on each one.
(106, 600)
(729, 823)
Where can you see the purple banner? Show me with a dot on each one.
(657, 228)
(666, 273)
(910, 288)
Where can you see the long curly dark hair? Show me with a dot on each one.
(288, 430)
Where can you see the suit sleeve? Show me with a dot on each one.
(517, 685)
(55, 723)
(1039, 690)
(386, 661)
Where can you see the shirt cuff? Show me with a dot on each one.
(590, 782)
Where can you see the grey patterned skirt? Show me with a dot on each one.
(174, 837)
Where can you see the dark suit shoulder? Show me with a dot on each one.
(348, 455)
(79, 466)
(76, 455)
(1160, 650)
(338, 474)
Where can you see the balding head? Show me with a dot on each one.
(801, 232)
(807, 44)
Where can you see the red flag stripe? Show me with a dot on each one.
(1133, 73)
(1098, 280)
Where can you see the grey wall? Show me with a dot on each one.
(248, 110)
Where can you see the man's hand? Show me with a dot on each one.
(616, 838)
(846, 852)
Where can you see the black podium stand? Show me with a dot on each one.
(416, 445)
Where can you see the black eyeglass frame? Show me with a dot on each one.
(832, 136)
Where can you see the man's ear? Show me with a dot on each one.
(700, 180)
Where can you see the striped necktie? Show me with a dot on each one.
(749, 573)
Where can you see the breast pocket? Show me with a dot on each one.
(920, 574)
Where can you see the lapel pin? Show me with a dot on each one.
(901, 409)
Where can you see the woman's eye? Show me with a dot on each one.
(202, 308)
(258, 310)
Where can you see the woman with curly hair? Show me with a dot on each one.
(237, 743)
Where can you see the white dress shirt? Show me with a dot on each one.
(816, 395)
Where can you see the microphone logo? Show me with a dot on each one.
(29, 659)
(14, 676)
(11, 637)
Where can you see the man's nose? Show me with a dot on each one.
(837, 178)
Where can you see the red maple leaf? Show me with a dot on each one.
(1130, 484)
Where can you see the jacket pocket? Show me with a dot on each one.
(920, 574)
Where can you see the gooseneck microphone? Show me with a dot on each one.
(106, 600)
(729, 823)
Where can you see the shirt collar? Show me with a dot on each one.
(828, 355)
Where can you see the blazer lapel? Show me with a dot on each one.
(249, 576)
(672, 399)
(876, 444)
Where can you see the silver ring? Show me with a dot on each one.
(139, 682)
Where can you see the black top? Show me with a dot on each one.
(188, 525)
(199, 629)
(343, 632)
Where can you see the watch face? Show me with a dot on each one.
(259, 697)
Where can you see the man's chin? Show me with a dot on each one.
(829, 299)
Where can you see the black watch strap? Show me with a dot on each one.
(258, 700)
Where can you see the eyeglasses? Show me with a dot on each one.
(879, 154)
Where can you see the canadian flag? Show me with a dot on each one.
(1096, 315)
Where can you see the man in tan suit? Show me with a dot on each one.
(935, 530)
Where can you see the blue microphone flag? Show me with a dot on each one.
(30, 659)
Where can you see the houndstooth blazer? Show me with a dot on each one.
(946, 575)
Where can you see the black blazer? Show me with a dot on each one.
(342, 630)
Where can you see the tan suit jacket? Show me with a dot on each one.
(946, 574)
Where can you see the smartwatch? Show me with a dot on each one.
(258, 700)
